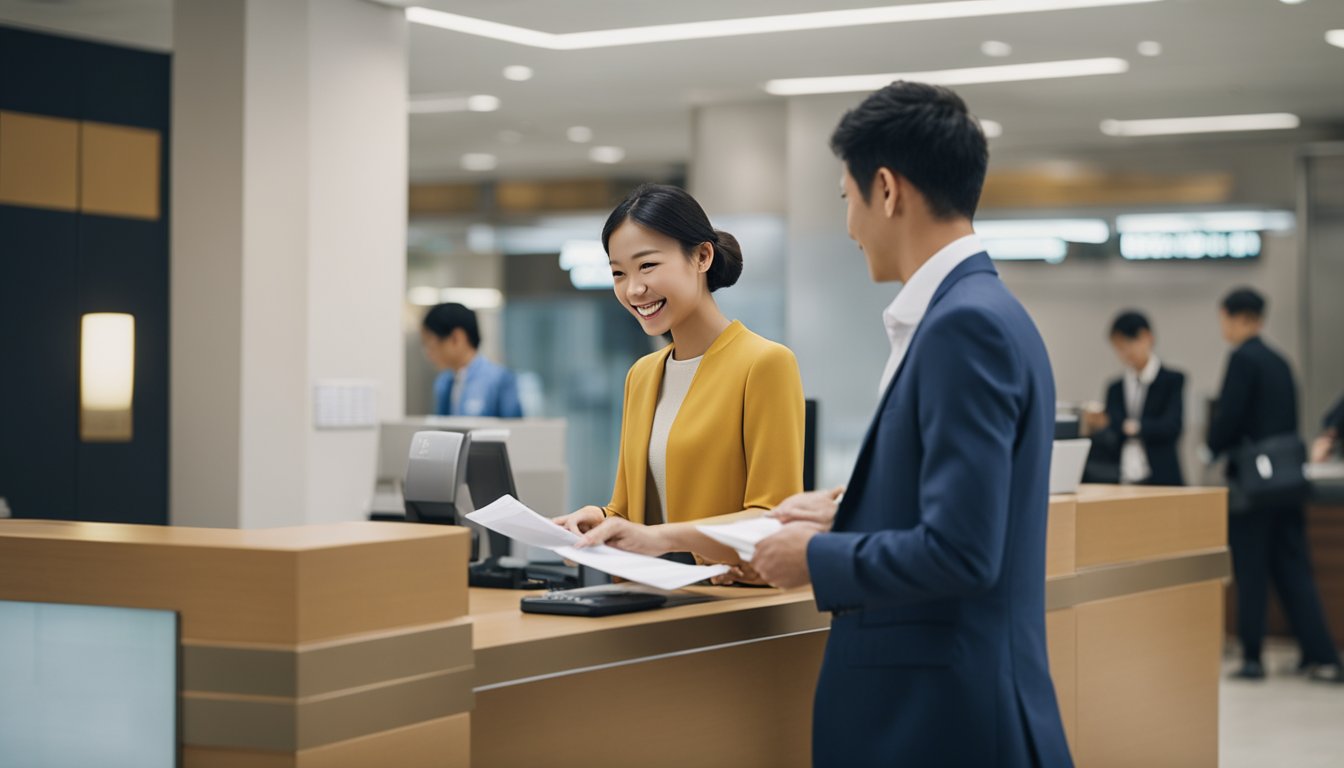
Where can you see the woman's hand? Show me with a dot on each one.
(1322, 447)
(817, 507)
(632, 537)
(581, 521)
(742, 573)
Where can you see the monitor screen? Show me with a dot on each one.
(87, 685)
(489, 475)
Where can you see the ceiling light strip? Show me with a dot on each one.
(1211, 124)
(756, 25)
(1044, 70)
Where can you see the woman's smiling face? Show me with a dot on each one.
(654, 278)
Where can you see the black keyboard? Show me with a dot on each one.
(582, 602)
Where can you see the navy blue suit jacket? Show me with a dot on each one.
(935, 566)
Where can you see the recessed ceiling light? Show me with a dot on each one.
(1335, 37)
(579, 134)
(999, 74)
(1212, 124)
(995, 48)
(482, 103)
(517, 73)
(510, 136)
(1292, 2)
(991, 128)
(479, 161)
(608, 155)
(1150, 48)
(756, 25)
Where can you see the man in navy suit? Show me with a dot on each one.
(933, 564)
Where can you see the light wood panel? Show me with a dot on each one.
(746, 705)
(278, 586)
(39, 162)
(441, 743)
(1061, 635)
(1061, 533)
(1148, 673)
(1036, 188)
(1123, 523)
(119, 170)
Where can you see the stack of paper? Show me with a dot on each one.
(742, 536)
(513, 519)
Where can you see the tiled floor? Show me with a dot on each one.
(1283, 721)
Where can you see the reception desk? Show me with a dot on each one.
(360, 644)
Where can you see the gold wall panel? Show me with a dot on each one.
(119, 171)
(39, 161)
(441, 743)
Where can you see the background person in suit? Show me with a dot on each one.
(934, 562)
(1144, 414)
(1259, 400)
(468, 384)
(1332, 430)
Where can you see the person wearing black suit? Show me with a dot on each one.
(1144, 408)
(1332, 430)
(1259, 400)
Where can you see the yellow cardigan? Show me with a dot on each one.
(736, 443)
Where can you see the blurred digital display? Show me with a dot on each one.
(84, 685)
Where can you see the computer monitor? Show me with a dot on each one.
(489, 477)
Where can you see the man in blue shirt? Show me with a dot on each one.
(469, 384)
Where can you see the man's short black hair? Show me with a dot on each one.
(443, 319)
(922, 132)
(1244, 301)
(1130, 324)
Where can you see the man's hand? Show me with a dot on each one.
(742, 573)
(1322, 447)
(580, 522)
(632, 537)
(1131, 428)
(781, 559)
(816, 507)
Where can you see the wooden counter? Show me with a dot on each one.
(316, 647)
(360, 645)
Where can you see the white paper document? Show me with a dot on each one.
(742, 535)
(512, 518)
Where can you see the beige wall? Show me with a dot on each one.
(288, 252)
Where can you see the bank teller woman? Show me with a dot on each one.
(712, 424)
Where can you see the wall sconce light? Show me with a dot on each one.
(106, 377)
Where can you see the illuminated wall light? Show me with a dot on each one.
(1006, 73)
(423, 296)
(1150, 48)
(755, 25)
(1069, 230)
(518, 73)
(1207, 221)
(473, 298)
(106, 377)
(583, 253)
(1048, 249)
(992, 129)
(1167, 246)
(1335, 37)
(591, 277)
(579, 134)
(1211, 124)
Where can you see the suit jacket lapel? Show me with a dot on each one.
(980, 262)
